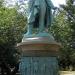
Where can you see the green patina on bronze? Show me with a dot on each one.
(39, 49)
(39, 66)
(39, 17)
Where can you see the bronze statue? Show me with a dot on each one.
(39, 15)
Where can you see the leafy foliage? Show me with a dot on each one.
(12, 26)
(64, 30)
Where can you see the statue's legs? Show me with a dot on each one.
(30, 22)
(42, 12)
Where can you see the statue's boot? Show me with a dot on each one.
(41, 28)
(29, 31)
(28, 34)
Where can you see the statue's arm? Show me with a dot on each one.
(50, 4)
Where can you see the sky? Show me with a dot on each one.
(58, 2)
(55, 2)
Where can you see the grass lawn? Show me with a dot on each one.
(67, 72)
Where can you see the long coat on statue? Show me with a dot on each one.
(34, 11)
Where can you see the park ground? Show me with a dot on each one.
(67, 72)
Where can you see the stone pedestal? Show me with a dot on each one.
(39, 56)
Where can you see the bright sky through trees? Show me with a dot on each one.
(58, 2)
(55, 2)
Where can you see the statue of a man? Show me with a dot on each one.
(39, 15)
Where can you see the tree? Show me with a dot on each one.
(64, 30)
(12, 26)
